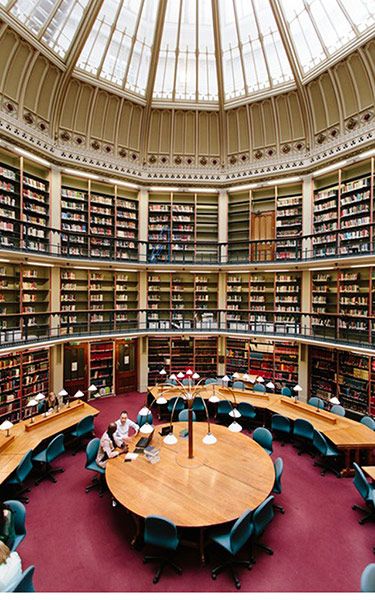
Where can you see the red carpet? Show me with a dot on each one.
(78, 542)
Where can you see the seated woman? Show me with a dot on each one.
(7, 527)
(10, 567)
(109, 447)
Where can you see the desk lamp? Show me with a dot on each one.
(39, 397)
(334, 400)
(225, 380)
(235, 427)
(92, 388)
(260, 379)
(297, 388)
(270, 386)
(78, 395)
(31, 403)
(147, 428)
(62, 393)
(6, 426)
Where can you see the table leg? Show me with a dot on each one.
(138, 531)
(201, 545)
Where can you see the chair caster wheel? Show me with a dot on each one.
(238, 585)
(213, 575)
(155, 580)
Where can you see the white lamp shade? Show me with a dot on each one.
(214, 399)
(62, 393)
(161, 400)
(297, 388)
(5, 425)
(79, 394)
(92, 388)
(236, 374)
(334, 400)
(163, 372)
(32, 402)
(235, 413)
(225, 379)
(189, 372)
(209, 439)
(235, 427)
(144, 411)
(170, 439)
(246, 377)
(39, 397)
(173, 377)
(180, 375)
(260, 379)
(146, 428)
(270, 385)
(196, 376)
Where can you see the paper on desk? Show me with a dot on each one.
(131, 456)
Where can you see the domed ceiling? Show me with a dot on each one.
(211, 53)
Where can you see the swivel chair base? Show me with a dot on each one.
(163, 563)
(97, 482)
(369, 515)
(327, 467)
(229, 565)
(48, 474)
(20, 494)
(279, 508)
(266, 549)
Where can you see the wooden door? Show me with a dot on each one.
(263, 228)
(76, 368)
(126, 366)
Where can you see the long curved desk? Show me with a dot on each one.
(348, 435)
(216, 486)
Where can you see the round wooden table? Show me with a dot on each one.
(216, 486)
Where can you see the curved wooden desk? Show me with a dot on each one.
(216, 486)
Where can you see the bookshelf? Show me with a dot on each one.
(35, 206)
(159, 300)
(10, 204)
(323, 372)
(262, 301)
(101, 299)
(35, 377)
(159, 228)
(10, 387)
(237, 301)
(206, 232)
(353, 381)
(206, 356)
(159, 357)
(74, 216)
(9, 300)
(325, 218)
(354, 302)
(183, 227)
(126, 299)
(101, 367)
(34, 300)
(239, 226)
(182, 301)
(287, 302)
(286, 364)
(288, 225)
(324, 302)
(261, 356)
(74, 300)
(372, 388)
(182, 354)
(102, 220)
(205, 300)
(126, 224)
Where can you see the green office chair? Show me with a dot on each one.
(84, 429)
(368, 578)
(279, 468)
(248, 413)
(24, 583)
(211, 381)
(91, 465)
(54, 449)
(263, 437)
(281, 426)
(262, 517)
(238, 385)
(232, 539)
(162, 533)
(337, 409)
(369, 422)
(328, 452)
(259, 387)
(367, 492)
(142, 419)
(224, 407)
(184, 415)
(199, 407)
(315, 401)
(22, 472)
(303, 432)
(285, 391)
(178, 406)
(19, 516)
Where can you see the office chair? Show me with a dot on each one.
(263, 437)
(328, 452)
(248, 413)
(367, 492)
(303, 432)
(199, 407)
(180, 405)
(369, 422)
(337, 409)
(211, 381)
(22, 472)
(238, 385)
(142, 419)
(184, 415)
(83, 429)
(285, 391)
(262, 517)
(162, 533)
(368, 578)
(315, 401)
(232, 539)
(281, 426)
(279, 468)
(41, 408)
(224, 407)
(186, 381)
(91, 465)
(259, 387)
(54, 449)
(19, 515)
(24, 583)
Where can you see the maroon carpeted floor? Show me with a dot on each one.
(78, 542)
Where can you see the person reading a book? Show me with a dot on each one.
(123, 425)
(110, 446)
(7, 525)
(10, 567)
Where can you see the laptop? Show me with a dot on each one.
(166, 430)
(144, 441)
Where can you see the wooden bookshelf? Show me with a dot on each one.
(159, 300)
(262, 301)
(353, 381)
(126, 299)
(238, 301)
(159, 357)
(206, 227)
(74, 299)
(101, 367)
(261, 359)
(9, 300)
(205, 356)
(205, 300)
(126, 224)
(285, 364)
(323, 367)
(324, 302)
(239, 209)
(35, 206)
(35, 377)
(354, 302)
(102, 220)
(288, 224)
(10, 200)
(34, 300)
(74, 216)
(287, 302)
(10, 387)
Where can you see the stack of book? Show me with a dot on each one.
(152, 454)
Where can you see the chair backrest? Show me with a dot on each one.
(259, 387)
(24, 468)
(315, 401)
(160, 531)
(24, 583)
(41, 406)
(85, 426)
(212, 381)
(180, 404)
(239, 385)
(361, 483)
(263, 515)
(320, 443)
(286, 392)
(142, 419)
(171, 382)
(369, 422)
(241, 531)
(337, 409)
(224, 407)
(92, 450)
(55, 448)
(279, 468)
(198, 404)
(303, 428)
(263, 437)
(184, 415)
(247, 410)
(19, 515)
(280, 423)
(186, 381)
(368, 578)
